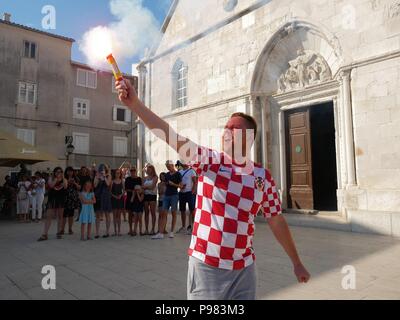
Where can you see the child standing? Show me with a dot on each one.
(87, 216)
(137, 201)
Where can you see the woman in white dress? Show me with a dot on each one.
(23, 199)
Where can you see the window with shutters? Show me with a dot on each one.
(81, 143)
(86, 78)
(122, 115)
(27, 93)
(81, 109)
(30, 49)
(26, 135)
(91, 79)
(120, 146)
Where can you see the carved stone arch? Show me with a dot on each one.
(299, 68)
(296, 43)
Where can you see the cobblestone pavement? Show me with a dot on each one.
(141, 268)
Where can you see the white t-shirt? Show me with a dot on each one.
(41, 186)
(147, 183)
(187, 180)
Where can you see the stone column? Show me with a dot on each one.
(251, 102)
(264, 144)
(348, 127)
(140, 126)
(282, 158)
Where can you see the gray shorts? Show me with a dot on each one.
(208, 283)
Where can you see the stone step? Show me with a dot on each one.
(331, 221)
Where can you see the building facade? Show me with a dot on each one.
(49, 101)
(320, 77)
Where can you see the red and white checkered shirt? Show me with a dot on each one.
(228, 200)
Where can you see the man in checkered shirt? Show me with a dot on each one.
(231, 191)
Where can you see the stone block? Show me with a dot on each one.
(383, 200)
(396, 225)
(370, 222)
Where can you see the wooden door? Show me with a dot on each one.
(299, 159)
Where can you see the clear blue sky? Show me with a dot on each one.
(74, 17)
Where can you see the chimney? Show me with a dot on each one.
(7, 17)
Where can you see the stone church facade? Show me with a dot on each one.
(321, 77)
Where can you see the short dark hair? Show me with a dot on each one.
(68, 169)
(57, 169)
(249, 119)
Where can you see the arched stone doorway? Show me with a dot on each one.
(303, 97)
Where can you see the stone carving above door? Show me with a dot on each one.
(309, 68)
(393, 10)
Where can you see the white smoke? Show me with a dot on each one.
(135, 29)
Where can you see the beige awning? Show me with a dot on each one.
(14, 152)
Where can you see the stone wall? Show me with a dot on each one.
(376, 108)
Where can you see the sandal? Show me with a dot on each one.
(43, 238)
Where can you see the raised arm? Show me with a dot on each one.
(108, 181)
(96, 180)
(51, 182)
(160, 128)
(41, 183)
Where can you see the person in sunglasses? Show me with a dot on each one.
(57, 185)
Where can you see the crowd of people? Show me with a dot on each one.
(95, 196)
